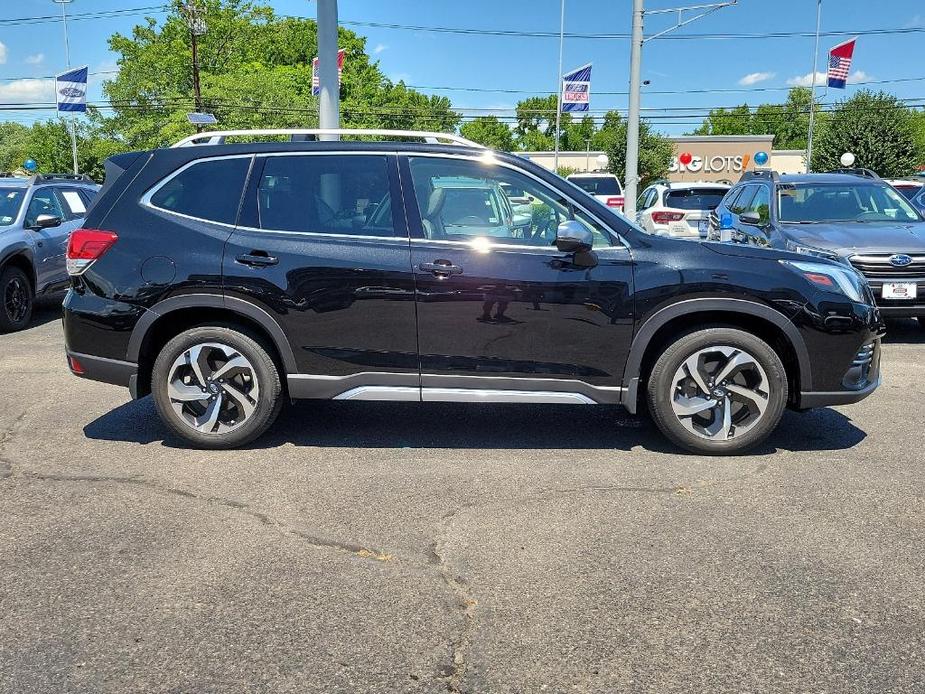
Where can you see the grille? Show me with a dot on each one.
(879, 267)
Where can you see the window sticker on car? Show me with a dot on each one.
(74, 201)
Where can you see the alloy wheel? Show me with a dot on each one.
(719, 393)
(16, 300)
(213, 388)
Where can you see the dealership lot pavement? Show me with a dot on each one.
(403, 548)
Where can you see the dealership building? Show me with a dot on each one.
(701, 157)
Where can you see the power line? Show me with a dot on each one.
(515, 33)
(102, 14)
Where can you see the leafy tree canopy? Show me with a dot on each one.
(489, 131)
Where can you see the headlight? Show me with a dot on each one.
(809, 250)
(830, 278)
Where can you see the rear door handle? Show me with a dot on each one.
(441, 267)
(257, 259)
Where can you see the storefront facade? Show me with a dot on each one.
(701, 157)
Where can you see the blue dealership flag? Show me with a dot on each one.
(576, 89)
(71, 88)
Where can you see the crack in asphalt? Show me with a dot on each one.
(7, 435)
(460, 589)
(266, 520)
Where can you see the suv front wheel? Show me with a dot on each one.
(718, 391)
(15, 300)
(216, 387)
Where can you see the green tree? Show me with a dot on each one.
(489, 131)
(14, 146)
(727, 121)
(655, 152)
(255, 72)
(49, 143)
(876, 127)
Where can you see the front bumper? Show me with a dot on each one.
(860, 380)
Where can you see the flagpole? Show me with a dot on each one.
(555, 159)
(67, 58)
(812, 100)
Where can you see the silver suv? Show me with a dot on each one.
(36, 216)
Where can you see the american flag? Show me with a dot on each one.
(840, 63)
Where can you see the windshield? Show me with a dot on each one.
(908, 192)
(843, 202)
(699, 199)
(10, 202)
(597, 185)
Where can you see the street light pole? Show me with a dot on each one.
(555, 158)
(67, 59)
(631, 176)
(328, 83)
(812, 99)
(197, 28)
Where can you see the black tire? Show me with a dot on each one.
(16, 300)
(265, 375)
(921, 320)
(665, 391)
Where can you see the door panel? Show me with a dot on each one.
(50, 245)
(334, 270)
(504, 309)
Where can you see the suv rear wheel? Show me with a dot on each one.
(15, 300)
(216, 387)
(718, 391)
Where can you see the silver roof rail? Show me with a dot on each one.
(218, 137)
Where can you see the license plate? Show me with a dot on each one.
(703, 226)
(899, 290)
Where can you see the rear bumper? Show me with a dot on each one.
(911, 311)
(114, 371)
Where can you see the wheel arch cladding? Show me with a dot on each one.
(770, 325)
(20, 258)
(177, 314)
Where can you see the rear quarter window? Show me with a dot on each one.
(210, 189)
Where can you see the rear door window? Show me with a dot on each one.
(209, 189)
(694, 199)
(330, 194)
(76, 206)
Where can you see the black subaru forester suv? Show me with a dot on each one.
(226, 278)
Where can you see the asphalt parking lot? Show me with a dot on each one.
(404, 548)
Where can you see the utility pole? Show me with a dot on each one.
(197, 28)
(631, 178)
(328, 83)
(67, 58)
(812, 99)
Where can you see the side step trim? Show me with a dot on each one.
(522, 396)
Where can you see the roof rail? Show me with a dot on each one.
(768, 174)
(865, 173)
(49, 177)
(218, 137)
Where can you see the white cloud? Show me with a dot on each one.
(27, 91)
(379, 48)
(756, 77)
(2, 53)
(36, 59)
(807, 79)
(916, 22)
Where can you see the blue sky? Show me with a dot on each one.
(694, 69)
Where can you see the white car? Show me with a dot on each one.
(602, 185)
(680, 210)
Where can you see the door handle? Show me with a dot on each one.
(257, 259)
(441, 267)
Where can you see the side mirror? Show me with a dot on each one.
(572, 237)
(46, 221)
(752, 218)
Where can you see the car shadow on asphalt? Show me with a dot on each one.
(45, 310)
(907, 332)
(331, 424)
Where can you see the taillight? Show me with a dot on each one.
(85, 247)
(665, 217)
(615, 201)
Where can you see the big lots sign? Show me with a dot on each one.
(720, 163)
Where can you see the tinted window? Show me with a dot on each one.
(761, 203)
(209, 189)
(461, 200)
(335, 194)
(908, 192)
(10, 202)
(862, 202)
(697, 199)
(597, 185)
(740, 204)
(44, 201)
